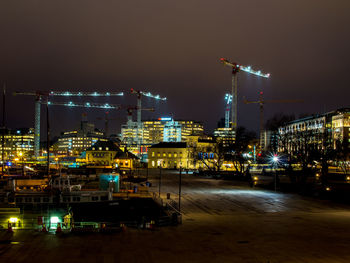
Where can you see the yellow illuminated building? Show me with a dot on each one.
(106, 154)
(332, 126)
(161, 130)
(341, 127)
(172, 155)
(18, 144)
(225, 135)
(188, 155)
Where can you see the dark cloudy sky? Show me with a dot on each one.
(173, 48)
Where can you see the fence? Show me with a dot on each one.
(171, 208)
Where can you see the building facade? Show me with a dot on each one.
(171, 155)
(197, 152)
(106, 154)
(315, 131)
(73, 143)
(226, 136)
(161, 130)
(18, 143)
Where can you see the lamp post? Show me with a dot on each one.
(59, 166)
(22, 163)
(160, 178)
(180, 189)
(275, 161)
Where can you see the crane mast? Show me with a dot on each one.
(236, 68)
(261, 103)
(228, 98)
(139, 130)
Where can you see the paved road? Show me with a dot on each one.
(219, 197)
(223, 221)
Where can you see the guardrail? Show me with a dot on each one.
(174, 216)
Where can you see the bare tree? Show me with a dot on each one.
(243, 139)
(342, 155)
(211, 156)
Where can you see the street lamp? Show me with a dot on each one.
(160, 178)
(275, 160)
(21, 156)
(180, 189)
(59, 165)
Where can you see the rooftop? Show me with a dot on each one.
(170, 145)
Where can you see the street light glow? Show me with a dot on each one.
(54, 220)
(13, 220)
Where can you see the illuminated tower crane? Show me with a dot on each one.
(235, 69)
(139, 134)
(261, 103)
(106, 106)
(228, 99)
(42, 96)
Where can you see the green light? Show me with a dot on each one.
(54, 220)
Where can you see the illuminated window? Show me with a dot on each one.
(152, 154)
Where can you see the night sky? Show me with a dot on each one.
(172, 48)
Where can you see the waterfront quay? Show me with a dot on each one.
(222, 221)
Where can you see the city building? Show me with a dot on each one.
(317, 131)
(162, 130)
(198, 152)
(18, 143)
(73, 143)
(226, 136)
(171, 155)
(106, 154)
(269, 141)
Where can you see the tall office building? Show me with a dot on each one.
(74, 142)
(226, 136)
(161, 130)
